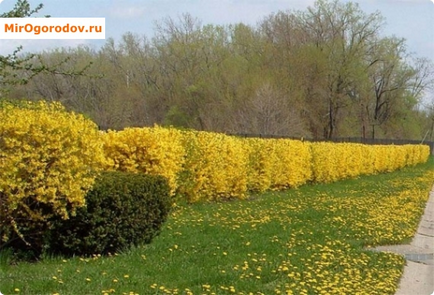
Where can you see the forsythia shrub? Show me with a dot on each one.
(260, 166)
(122, 209)
(291, 163)
(205, 166)
(335, 161)
(417, 154)
(49, 159)
(215, 167)
(155, 151)
(278, 163)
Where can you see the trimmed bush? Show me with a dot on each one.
(123, 209)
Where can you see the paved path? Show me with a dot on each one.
(418, 277)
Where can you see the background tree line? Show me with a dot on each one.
(324, 72)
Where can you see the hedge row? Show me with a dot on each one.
(204, 166)
(50, 158)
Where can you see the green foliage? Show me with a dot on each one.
(18, 68)
(12, 64)
(123, 209)
(21, 9)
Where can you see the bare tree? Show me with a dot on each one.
(269, 112)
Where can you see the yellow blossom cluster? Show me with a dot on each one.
(215, 167)
(335, 161)
(278, 163)
(157, 151)
(203, 166)
(47, 156)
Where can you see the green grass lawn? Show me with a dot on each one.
(310, 240)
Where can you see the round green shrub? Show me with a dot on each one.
(123, 209)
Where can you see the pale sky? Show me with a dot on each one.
(409, 19)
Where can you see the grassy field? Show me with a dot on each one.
(310, 240)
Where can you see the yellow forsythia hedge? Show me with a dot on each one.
(48, 160)
(335, 161)
(51, 156)
(212, 166)
(277, 163)
(215, 167)
(157, 151)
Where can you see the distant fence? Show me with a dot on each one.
(371, 141)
